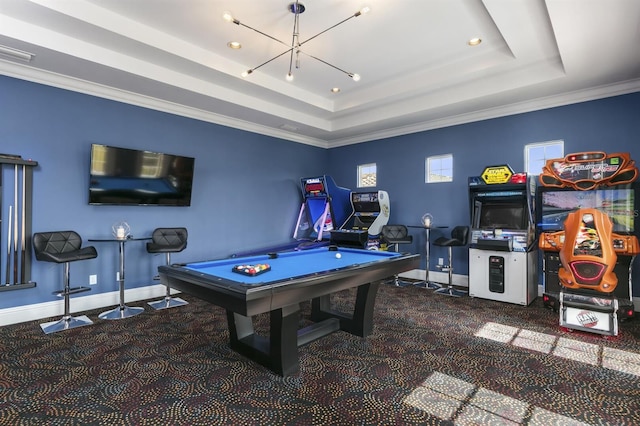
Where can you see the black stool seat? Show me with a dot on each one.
(63, 247)
(69, 256)
(449, 242)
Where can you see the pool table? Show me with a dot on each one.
(293, 277)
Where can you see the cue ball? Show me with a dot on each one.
(338, 255)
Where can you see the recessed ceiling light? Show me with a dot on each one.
(289, 127)
(234, 45)
(474, 41)
(335, 90)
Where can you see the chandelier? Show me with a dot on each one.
(294, 49)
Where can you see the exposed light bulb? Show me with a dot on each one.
(362, 11)
(355, 77)
(246, 73)
(474, 41)
(289, 77)
(227, 16)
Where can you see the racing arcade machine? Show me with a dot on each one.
(587, 222)
(502, 256)
(370, 212)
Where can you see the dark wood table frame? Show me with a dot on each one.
(279, 350)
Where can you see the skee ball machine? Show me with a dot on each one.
(369, 213)
(325, 206)
(587, 221)
(502, 253)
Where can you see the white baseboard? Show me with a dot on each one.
(55, 308)
(437, 276)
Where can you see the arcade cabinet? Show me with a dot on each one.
(502, 254)
(581, 182)
(369, 213)
(588, 250)
(326, 206)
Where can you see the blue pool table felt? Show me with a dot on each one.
(289, 265)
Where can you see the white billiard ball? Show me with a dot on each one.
(338, 255)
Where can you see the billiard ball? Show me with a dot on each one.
(338, 255)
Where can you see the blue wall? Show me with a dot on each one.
(610, 125)
(246, 186)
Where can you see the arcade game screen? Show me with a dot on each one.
(503, 216)
(618, 204)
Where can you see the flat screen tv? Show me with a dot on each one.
(122, 176)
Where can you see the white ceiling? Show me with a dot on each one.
(418, 72)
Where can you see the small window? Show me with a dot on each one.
(537, 154)
(439, 168)
(367, 174)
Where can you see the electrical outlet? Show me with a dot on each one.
(440, 261)
(93, 279)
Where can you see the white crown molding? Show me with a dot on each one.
(60, 81)
(81, 86)
(586, 95)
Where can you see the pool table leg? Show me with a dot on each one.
(360, 323)
(278, 351)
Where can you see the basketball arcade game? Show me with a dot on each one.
(370, 212)
(502, 255)
(325, 207)
(587, 216)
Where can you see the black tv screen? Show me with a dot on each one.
(122, 176)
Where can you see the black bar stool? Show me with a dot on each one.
(394, 235)
(167, 241)
(63, 247)
(459, 238)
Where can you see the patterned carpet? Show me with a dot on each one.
(432, 360)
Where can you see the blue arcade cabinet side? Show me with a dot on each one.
(326, 206)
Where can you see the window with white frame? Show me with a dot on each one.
(439, 168)
(537, 154)
(367, 174)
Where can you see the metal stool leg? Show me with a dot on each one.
(396, 281)
(67, 321)
(168, 301)
(449, 290)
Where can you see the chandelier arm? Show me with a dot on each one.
(272, 59)
(327, 63)
(264, 34)
(331, 27)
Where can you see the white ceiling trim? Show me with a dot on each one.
(23, 72)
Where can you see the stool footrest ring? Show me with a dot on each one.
(70, 291)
